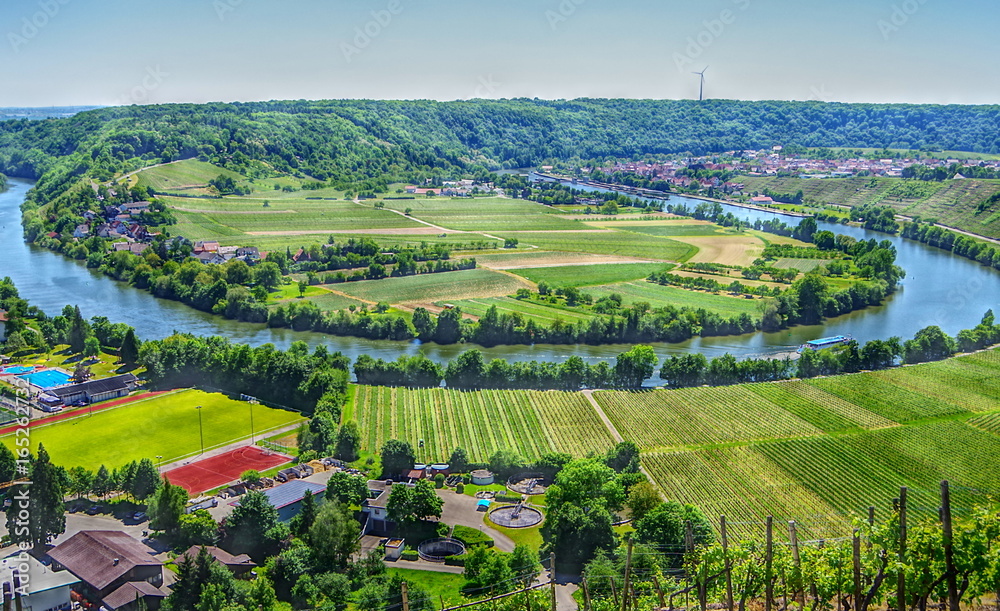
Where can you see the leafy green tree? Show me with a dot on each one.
(129, 351)
(91, 347)
(334, 535)
(408, 505)
(202, 583)
(268, 275)
(197, 528)
(348, 442)
(459, 460)
(576, 534)
(8, 464)
(666, 526)
(304, 519)
(15, 343)
(634, 366)
(346, 488)
(398, 457)
(624, 457)
(487, 569)
(586, 482)
(505, 462)
(36, 514)
(145, 480)
(167, 507)
(103, 482)
(253, 527)
(642, 498)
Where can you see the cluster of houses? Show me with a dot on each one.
(210, 251)
(458, 188)
(105, 569)
(115, 222)
(771, 162)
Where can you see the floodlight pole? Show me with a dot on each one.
(201, 429)
(251, 422)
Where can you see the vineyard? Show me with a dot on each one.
(530, 423)
(817, 451)
(698, 416)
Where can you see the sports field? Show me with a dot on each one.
(166, 425)
(208, 473)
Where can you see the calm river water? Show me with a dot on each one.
(939, 289)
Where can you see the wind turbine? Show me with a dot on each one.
(701, 87)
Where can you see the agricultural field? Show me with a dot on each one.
(330, 300)
(619, 243)
(189, 177)
(284, 217)
(539, 312)
(730, 249)
(164, 425)
(659, 296)
(699, 416)
(531, 259)
(803, 265)
(529, 422)
(680, 227)
(425, 288)
(588, 275)
(484, 214)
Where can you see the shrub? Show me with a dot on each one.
(472, 537)
(460, 488)
(410, 554)
(454, 560)
(439, 480)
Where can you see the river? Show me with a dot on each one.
(939, 289)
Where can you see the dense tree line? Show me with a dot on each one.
(962, 245)
(293, 378)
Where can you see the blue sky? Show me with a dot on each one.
(66, 52)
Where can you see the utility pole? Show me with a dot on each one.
(628, 571)
(406, 598)
(949, 552)
(901, 585)
(725, 560)
(768, 563)
(552, 577)
(201, 429)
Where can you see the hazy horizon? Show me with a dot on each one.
(85, 52)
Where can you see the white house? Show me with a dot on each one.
(46, 589)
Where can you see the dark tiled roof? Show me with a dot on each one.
(94, 387)
(221, 555)
(128, 593)
(91, 555)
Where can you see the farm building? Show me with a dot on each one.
(96, 390)
(287, 498)
(376, 519)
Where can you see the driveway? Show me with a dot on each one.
(461, 509)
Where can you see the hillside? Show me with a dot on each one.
(365, 142)
(955, 203)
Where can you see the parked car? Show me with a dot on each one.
(139, 516)
(94, 510)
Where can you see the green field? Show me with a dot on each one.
(166, 425)
(803, 265)
(425, 288)
(189, 176)
(587, 275)
(539, 312)
(530, 423)
(619, 243)
(816, 451)
(659, 296)
(672, 229)
(485, 214)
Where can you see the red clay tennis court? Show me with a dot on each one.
(213, 472)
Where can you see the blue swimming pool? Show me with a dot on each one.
(47, 378)
(17, 369)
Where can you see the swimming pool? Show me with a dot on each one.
(47, 378)
(17, 369)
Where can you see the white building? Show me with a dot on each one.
(47, 589)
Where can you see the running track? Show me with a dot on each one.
(209, 473)
(83, 410)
